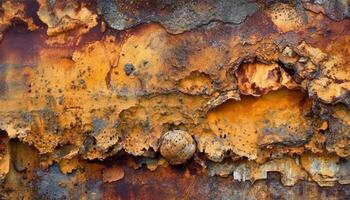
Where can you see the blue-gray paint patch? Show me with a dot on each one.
(94, 189)
(51, 183)
(98, 124)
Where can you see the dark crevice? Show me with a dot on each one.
(2, 132)
(289, 69)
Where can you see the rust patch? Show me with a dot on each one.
(103, 98)
(258, 79)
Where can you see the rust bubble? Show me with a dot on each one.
(177, 146)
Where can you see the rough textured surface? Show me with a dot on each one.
(175, 16)
(10, 12)
(177, 146)
(66, 20)
(99, 99)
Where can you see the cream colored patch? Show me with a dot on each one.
(258, 79)
(322, 168)
(289, 168)
(285, 17)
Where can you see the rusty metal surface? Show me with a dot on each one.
(117, 99)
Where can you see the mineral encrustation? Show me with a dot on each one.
(166, 99)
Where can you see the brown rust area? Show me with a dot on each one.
(87, 99)
(12, 11)
(168, 182)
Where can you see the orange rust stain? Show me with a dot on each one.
(111, 174)
(78, 91)
(242, 122)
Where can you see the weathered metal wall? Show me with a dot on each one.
(140, 99)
